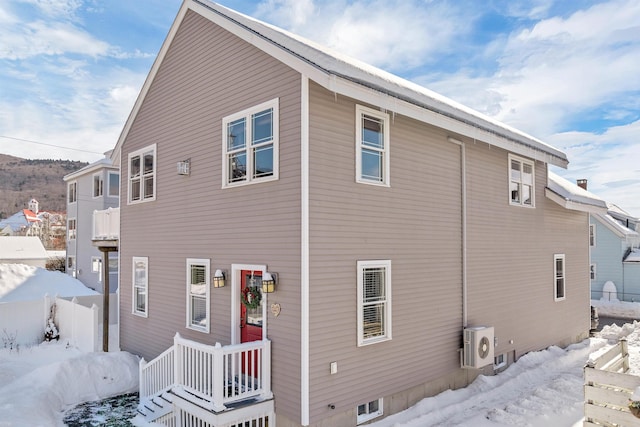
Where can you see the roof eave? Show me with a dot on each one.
(573, 204)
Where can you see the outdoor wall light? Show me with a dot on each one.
(269, 281)
(218, 279)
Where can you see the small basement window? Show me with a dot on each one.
(369, 411)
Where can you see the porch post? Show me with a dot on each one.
(266, 370)
(218, 378)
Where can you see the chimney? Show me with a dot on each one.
(582, 183)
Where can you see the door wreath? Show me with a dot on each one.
(251, 297)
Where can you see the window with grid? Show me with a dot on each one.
(592, 272)
(98, 185)
(374, 301)
(369, 411)
(71, 229)
(72, 192)
(198, 294)
(142, 175)
(521, 184)
(250, 145)
(592, 235)
(372, 146)
(140, 285)
(559, 274)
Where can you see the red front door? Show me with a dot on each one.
(251, 319)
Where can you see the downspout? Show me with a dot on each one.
(463, 209)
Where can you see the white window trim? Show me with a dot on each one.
(386, 264)
(207, 275)
(274, 104)
(75, 229)
(369, 416)
(134, 310)
(593, 271)
(150, 148)
(501, 360)
(360, 111)
(531, 163)
(73, 184)
(100, 177)
(109, 184)
(555, 277)
(592, 235)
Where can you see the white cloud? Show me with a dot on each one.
(395, 35)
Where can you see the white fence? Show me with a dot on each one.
(78, 321)
(608, 388)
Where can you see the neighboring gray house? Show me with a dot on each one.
(23, 250)
(354, 242)
(94, 187)
(614, 240)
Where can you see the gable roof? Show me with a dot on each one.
(19, 220)
(571, 196)
(20, 247)
(343, 75)
(105, 162)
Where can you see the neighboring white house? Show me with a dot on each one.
(22, 250)
(94, 187)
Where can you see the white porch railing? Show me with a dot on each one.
(106, 224)
(216, 375)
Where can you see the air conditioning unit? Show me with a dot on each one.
(478, 347)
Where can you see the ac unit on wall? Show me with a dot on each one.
(478, 347)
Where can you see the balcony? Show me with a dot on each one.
(106, 227)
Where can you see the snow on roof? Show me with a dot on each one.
(574, 194)
(340, 65)
(104, 162)
(332, 69)
(20, 282)
(634, 256)
(21, 247)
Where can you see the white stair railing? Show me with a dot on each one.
(158, 375)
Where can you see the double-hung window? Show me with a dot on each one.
(372, 146)
(592, 235)
(142, 175)
(140, 286)
(198, 289)
(72, 192)
(98, 185)
(592, 272)
(559, 277)
(71, 228)
(374, 301)
(250, 145)
(521, 182)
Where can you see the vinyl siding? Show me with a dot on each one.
(207, 75)
(607, 255)
(510, 259)
(415, 223)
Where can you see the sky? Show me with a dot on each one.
(542, 389)
(567, 73)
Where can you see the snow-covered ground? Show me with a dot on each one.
(19, 282)
(544, 388)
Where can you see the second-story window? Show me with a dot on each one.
(521, 182)
(142, 175)
(250, 145)
(98, 185)
(72, 192)
(372, 146)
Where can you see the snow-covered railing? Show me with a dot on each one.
(158, 375)
(106, 224)
(220, 375)
(608, 388)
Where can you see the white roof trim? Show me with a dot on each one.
(357, 80)
(570, 196)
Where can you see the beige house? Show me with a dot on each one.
(414, 243)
